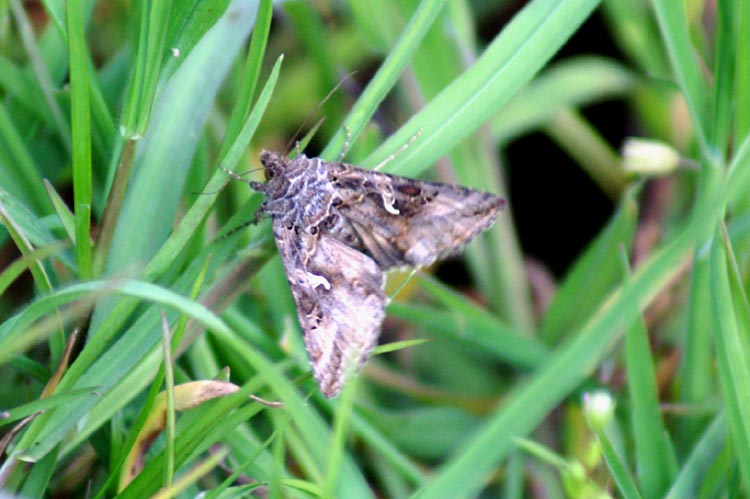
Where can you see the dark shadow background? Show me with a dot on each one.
(558, 210)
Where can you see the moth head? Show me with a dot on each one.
(273, 163)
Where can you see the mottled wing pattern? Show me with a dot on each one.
(340, 301)
(400, 221)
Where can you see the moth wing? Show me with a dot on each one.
(340, 302)
(403, 221)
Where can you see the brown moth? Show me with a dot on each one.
(338, 227)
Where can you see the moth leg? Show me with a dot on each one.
(398, 151)
(235, 230)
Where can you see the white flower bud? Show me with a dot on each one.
(648, 157)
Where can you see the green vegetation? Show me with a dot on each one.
(125, 291)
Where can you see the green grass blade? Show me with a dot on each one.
(18, 173)
(29, 223)
(618, 468)
(673, 24)
(80, 117)
(23, 245)
(39, 477)
(741, 57)
(479, 326)
(42, 72)
(386, 77)
(67, 219)
(47, 403)
(724, 73)
(465, 472)
(697, 367)
(510, 61)
(251, 72)
(314, 432)
(164, 154)
(11, 272)
(733, 354)
(704, 454)
(149, 60)
(110, 366)
(155, 50)
(571, 83)
(197, 212)
(652, 445)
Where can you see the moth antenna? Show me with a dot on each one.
(398, 151)
(237, 176)
(317, 108)
(231, 173)
(345, 149)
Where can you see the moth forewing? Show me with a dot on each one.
(338, 227)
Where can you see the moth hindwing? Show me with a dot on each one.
(338, 227)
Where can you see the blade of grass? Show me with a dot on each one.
(178, 117)
(571, 83)
(198, 211)
(169, 389)
(22, 178)
(464, 473)
(24, 246)
(652, 444)
(192, 475)
(731, 323)
(698, 365)
(673, 24)
(724, 72)
(150, 56)
(42, 72)
(67, 219)
(250, 75)
(509, 62)
(698, 383)
(386, 76)
(44, 404)
(11, 272)
(110, 366)
(197, 430)
(741, 57)
(482, 327)
(11, 331)
(703, 455)
(617, 467)
(80, 117)
(494, 259)
(38, 478)
(313, 34)
(314, 432)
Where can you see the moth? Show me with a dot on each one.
(338, 228)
